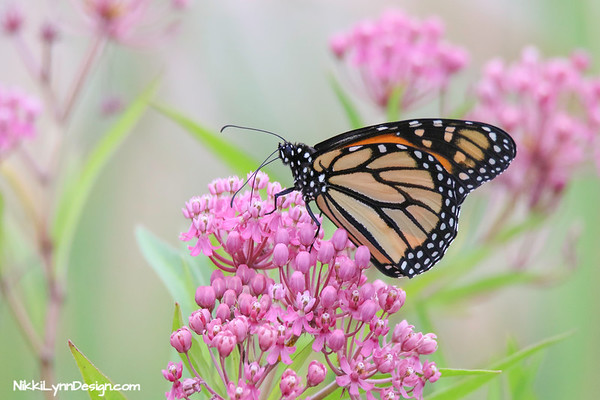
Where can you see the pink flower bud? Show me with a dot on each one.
(244, 273)
(326, 252)
(229, 298)
(316, 373)
(11, 20)
(391, 299)
(306, 234)
(173, 371)
(280, 254)
(339, 239)
(282, 236)
(267, 335)
(336, 340)
(303, 261)
(234, 283)
(225, 342)
(245, 301)
(362, 257)
(181, 339)
(401, 332)
(258, 284)
(428, 345)
(49, 32)
(297, 282)
(223, 312)
(198, 320)
(430, 371)
(254, 372)
(219, 287)
(212, 329)
(368, 310)
(329, 296)
(239, 327)
(234, 242)
(205, 297)
(348, 270)
(191, 386)
(290, 383)
(216, 274)
(412, 342)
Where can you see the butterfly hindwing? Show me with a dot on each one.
(398, 201)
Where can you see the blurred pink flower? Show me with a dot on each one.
(552, 110)
(400, 53)
(18, 114)
(11, 19)
(131, 21)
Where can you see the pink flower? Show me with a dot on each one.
(125, 20)
(181, 339)
(290, 384)
(18, 114)
(241, 391)
(399, 53)
(552, 110)
(316, 373)
(355, 376)
(173, 371)
(225, 342)
(318, 290)
(11, 19)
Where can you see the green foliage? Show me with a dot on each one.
(236, 158)
(76, 193)
(92, 376)
(351, 112)
(180, 272)
(468, 385)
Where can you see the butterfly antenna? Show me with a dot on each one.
(262, 165)
(253, 129)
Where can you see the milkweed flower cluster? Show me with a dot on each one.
(18, 114)
(279, 293)
(400, 53)
(552, 110)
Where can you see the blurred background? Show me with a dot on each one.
(267, 64)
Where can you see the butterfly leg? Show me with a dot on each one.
(278, 195)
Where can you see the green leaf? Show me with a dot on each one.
(465, 386)
(453, 372)
(394, 104)
(351, 112)
(1, 228)
(236, 158)
(181, 274)
(73, 200)
(520, 377)
(92, 376)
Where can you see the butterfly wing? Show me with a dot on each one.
(400, 202)
(472, 152)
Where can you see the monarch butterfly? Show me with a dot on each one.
(397, 187)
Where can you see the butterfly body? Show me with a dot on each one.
(397, 187)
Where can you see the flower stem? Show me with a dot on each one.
(94, 51)
(321, 394)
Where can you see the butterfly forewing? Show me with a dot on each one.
(472, 152)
